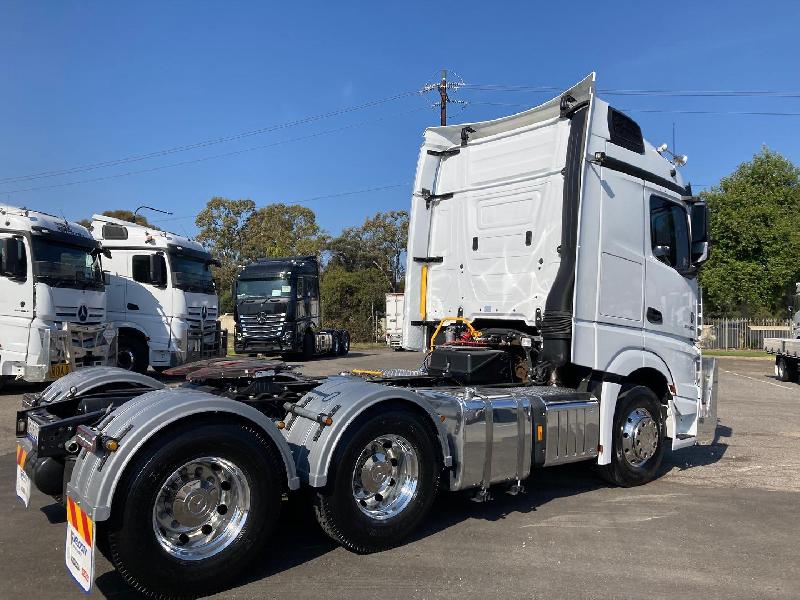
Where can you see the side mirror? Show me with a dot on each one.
(106, 252)
(699, 223)
(662, 253)
(158, 270)
(14, 262)
(699, 253)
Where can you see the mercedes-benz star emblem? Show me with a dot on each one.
(261, 318)
(83, 313)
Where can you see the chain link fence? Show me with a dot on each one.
(742, 334)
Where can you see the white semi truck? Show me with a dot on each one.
(52, 298)
(394, 320)
(787, 350)
(551, 280)
(161, 296)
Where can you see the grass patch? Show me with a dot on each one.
(739, 353)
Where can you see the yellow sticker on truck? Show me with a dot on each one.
(80, 545)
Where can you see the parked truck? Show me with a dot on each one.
(278, 310)
(787, 350)
(551, 280)
(394, 320)
(161, 296)
(52, 298)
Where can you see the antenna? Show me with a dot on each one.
(166, 212)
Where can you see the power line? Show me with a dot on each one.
(633, 92)
(214, 156)
(381, 188)
(660, 110)
(204, 143)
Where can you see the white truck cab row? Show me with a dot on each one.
(53, 316)
(161, 296)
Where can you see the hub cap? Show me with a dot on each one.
(201, 508)
(126, 359)
(639, 437)
(385, 477)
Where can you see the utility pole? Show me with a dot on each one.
(445, 99)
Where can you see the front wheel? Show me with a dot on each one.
(785, 370)
(384, 478)
(194, 510)
(132, 353)
(344, 344)
(637, 438)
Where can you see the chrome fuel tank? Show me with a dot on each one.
(497, 434)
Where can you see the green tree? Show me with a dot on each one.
(235, 232)
(350, 298)
(379, 243)
(755, 238)
(120, 213)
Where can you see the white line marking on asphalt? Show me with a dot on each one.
(785, 387)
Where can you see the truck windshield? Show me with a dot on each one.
(65, 265)
(191, 274)
(270, 286)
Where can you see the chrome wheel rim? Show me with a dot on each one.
(639, 437)
(126, 359)
(385, 477)
(201, 508)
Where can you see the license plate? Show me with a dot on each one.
(33, 430)
(23, 481)
(59, 370)
(79, 555)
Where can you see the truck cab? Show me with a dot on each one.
(161, 296)
(566, 231)
(52, 297)
(278, 310)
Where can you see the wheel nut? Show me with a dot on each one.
(206, 529)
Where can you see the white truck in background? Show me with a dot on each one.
(394, 320)
(52, 298)
(787, 350)
(552, 262)
(161, 296)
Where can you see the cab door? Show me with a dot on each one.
(670, 306)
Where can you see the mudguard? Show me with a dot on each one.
(344, 398)
(85, 380)
(96, 476)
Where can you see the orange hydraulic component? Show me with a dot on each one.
(473, 332)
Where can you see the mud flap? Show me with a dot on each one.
(707, 414)
(80, 546)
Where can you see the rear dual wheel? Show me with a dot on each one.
(383, 480)
(194, 509)
(785, 369)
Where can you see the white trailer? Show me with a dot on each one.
(394, 320)
(52, 298)
(552, 262)
(161, 296)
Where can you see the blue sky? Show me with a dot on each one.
(88, 82)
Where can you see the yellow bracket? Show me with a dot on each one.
(475, 333)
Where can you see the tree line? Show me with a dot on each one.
(754, 263)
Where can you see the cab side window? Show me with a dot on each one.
(140, 269)
(669, 233)
(301, 288)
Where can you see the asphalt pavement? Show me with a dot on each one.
(722, 521)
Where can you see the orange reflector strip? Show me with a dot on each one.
(539, 433)
(78, 519)
(22, 455)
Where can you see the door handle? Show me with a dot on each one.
(132, 306)
(654, 316)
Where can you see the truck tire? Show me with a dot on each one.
(344, 344)
(132, 353)
(308, 346)
(637, 438)
(785, 369)
(194, 509)
(383, 480)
